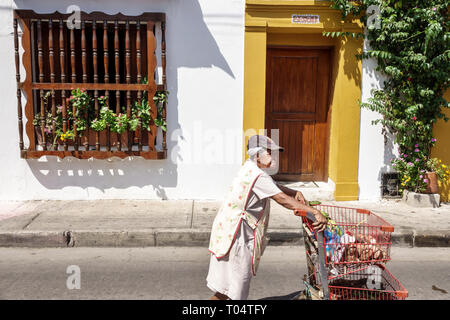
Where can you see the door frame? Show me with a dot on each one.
(328, 106)
(270, 22)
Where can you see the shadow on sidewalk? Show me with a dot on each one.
(290, 296)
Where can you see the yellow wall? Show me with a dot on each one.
(345, 120)
(442, 149)
(269, 23)
(254, 68)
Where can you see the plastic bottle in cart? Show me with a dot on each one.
(341, 242)
(331, 245)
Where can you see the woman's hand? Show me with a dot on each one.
(321, 221)
(293, 204)
(299, 197)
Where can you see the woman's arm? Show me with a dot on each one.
(293, 204)
(290, 192)
(297, 195)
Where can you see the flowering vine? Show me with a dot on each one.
(411, 46)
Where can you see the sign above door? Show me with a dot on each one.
(305, 18)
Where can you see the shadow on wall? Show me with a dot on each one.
(377, 82)
(369, 67)
(54, 173)
(350, 69)
(190, 44)
(388, 155)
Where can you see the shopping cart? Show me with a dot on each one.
(346, 260)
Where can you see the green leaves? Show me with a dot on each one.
(431, 32)
(120, 123)
(133, 123)
(411, 47)
(160, 99)
(379, 54)
(336, 34)
(393, 71)
(142, 111)
(106, 117)
(348, 7)
(80, 113)
(140, 115)
(426, 93)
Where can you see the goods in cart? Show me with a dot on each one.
(352, 237)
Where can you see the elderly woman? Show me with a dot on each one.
(238, 232)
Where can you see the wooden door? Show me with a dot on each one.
(297, 104)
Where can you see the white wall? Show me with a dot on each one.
(205, 80)
(375, 152)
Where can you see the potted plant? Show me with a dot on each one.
(436, 171)
(420, 173)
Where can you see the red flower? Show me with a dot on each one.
(414, 118)
(409, 79)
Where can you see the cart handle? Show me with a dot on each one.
(303, 213)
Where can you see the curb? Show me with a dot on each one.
(33, 239)
(185, 238)
(403, 239)
(432, 239)
(111, 239)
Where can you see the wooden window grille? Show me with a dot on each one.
(112, 59)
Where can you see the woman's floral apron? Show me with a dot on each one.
(231, 213)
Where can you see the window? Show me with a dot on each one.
(93, 90)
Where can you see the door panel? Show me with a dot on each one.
(297, 105)
(296, 137)
(294, 88)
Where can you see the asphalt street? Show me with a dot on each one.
(180, 272)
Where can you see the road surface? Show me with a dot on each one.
(179, 273)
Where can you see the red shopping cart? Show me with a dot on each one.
(346, 261)
(373, 282)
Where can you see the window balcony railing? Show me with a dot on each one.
(94, 89)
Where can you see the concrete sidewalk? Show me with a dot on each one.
(140, 223)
